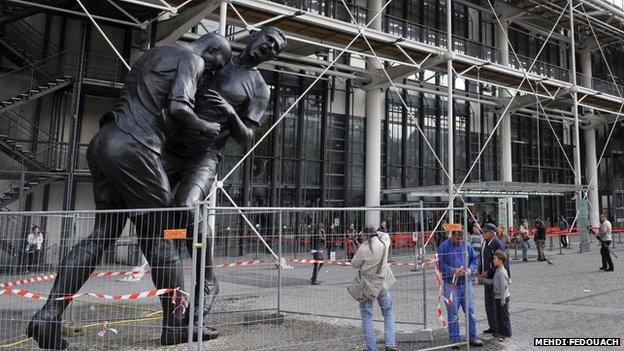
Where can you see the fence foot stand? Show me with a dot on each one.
(264, 318)
(424, 335)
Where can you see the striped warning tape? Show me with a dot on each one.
(27, 280)
(223, 265)
(132, 296)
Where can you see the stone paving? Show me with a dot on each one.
(569, 298)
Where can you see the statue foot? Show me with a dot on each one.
(47, 334)
(179, 335)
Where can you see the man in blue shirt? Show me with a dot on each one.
(453, 261)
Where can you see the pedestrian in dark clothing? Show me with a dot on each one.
(491, 244)
(563, 227)
(540, 239)
(318, 245)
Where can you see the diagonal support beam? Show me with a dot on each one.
(172, 29)
(402, 71)
(525, 101)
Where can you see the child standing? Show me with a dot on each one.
(501, 295)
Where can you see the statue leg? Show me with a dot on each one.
(188, 195)
(75, 269)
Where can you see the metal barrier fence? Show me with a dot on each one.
(262, 261)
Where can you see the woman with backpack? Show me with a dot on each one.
(373, 283)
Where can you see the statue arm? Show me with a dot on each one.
(182, 98)
(243, 127)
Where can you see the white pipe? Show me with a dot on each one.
(52, 8)
(450, 121)
(374, 111)
(122, 10)
(577, 137)
(222, 17)
(103, 34)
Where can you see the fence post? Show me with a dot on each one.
(467, 280)
(279, 266)
(422, 259)
(194, 281)
(202, 270)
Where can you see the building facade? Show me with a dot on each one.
(353, 139)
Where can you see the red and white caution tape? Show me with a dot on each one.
(132, 296)
(141, 272)
(21, 293)
(440, 283)
(337, 263)
(239, 263)
(27, 281)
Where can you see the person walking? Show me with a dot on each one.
(500, 283)
(524, 239)
(605, 238)
(351, 241)
(34, 243)
(563, 227)
(370, 260)
(491, 244)
(318, 244)
(540, 239)
(451, 255)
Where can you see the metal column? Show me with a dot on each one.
(449, 107)
(584, 247)
(374, 112)
(591, 158)
(506, 173)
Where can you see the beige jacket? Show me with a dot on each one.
(366, 261)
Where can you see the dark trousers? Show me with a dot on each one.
(564, 240)
(502, 318)
(490, 306)
(317, 266)
(540, 249)
(605, 253)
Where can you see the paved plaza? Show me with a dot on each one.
(569, 298)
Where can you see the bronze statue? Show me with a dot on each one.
(125, 162)
(236, 97)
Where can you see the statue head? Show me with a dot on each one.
(265, 45)
(215, 50)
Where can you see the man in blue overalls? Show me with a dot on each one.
(452, 260)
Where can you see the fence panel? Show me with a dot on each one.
(261, 258)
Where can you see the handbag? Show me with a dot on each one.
(359, 289)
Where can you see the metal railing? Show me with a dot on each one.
(414, 31)
(22, 80)
(31, 40)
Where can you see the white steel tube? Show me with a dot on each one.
(449, 108)
(505, 128)
(577, 137)
(103, 34)
(222, 17)
(591, 158)
(374, 111)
